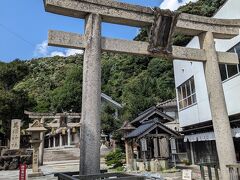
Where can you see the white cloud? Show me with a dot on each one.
(42, 50)
(174, 4)
(71, 52)
(57, 53)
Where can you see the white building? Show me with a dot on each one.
(193, 98)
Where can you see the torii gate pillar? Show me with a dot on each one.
(91, 98)
(220, 120)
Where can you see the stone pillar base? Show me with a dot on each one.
(164, 164)
(158, 165)
(141, 166)
(35, 174)
(135, 165)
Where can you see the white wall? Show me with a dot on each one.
(183, 70)
(232, 95)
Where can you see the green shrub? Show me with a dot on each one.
(120, 169)
(115, 158)
(186, 162)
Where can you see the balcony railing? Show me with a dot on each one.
(234, 171)
(209, 173)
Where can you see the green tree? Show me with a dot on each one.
(11, 73)
(68, 96)
(12, 106)
(108, 120)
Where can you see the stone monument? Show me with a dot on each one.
(15, 134)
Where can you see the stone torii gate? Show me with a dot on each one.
(97, 11)
(43, 117)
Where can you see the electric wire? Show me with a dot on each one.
(16, 35)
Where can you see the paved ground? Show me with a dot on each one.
(48, 170)
(13, 175)
(71, 166)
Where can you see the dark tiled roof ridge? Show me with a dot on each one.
(147, 126)
(169, 102)
(148, 113)
(151, 108)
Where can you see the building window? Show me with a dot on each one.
(228, 71)
(186, 94)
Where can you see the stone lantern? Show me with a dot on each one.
(35, 130)
(104, 149)
(103, 138)
(126, 129)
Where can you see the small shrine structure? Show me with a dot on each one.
(147, 141)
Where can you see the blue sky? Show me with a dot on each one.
(24, 25)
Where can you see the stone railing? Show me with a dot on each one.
(209, 167)
(234, 171)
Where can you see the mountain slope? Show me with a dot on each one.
(54, 84)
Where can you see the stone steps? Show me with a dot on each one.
(61, 154)
(65, 154)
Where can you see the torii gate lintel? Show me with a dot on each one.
(139, 16)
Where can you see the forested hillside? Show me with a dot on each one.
(54, 84)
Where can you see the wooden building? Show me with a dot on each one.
(149, 142)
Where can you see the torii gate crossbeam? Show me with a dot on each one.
(97, 11)
(77, 41)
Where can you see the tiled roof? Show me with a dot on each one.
(149, 126)
(145, 115)
(168, 103)
(141, 129)
(110, 100)
(127, 126)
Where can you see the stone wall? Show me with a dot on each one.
(153, 165)
(12, 162)
(10, 159)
